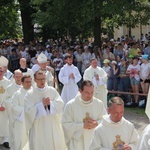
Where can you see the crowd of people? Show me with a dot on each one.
(55, 96)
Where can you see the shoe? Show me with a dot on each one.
(6, 145)
(128, 104)
(131, 104)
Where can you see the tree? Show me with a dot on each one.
(86, 17)
(27, 24)
(9, 18)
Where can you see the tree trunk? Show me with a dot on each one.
(97, 31)
(28, 28)
(130, 32)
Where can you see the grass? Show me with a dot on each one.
(139, 111)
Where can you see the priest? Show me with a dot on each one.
(115, 132)
(99, 78)
(42, 61)
(81, 115)
(43, 107)
(11, 89)
(24, 69)
(20, 138)
(4, 82)
(144, 142)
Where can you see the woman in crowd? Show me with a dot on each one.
(113, 78)
(124, 78)
(133, 70)
(145, 74)
(97, 54)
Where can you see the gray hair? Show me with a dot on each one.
(115, 100)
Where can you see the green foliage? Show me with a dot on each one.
(10, 26)
(77, 17)
(74, 17)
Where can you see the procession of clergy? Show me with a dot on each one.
(33, 116)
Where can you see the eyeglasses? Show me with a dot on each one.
(41, 79)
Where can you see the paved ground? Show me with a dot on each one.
(139, 121)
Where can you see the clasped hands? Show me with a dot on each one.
(126, 147)
(46, 101)
(71, 76)
(97, 77)
(90, 123)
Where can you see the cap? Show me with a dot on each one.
(3, 61)
(42, 58)
(106, 61)
(130, 56)
(114, 62)
(145, 56)
(47, 46)
(85, 47)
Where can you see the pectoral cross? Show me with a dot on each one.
(2, 90)
(86, 117)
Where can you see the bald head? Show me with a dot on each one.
(23, 63)
(18, 76)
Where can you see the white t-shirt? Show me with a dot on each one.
(145, 70)
(106, 69)
(136, 68)
(58, 62)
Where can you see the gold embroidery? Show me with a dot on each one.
(2, 90)
(87, 117)
(118, 144)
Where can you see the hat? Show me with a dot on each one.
(47, 46)
(42, 58)
(3, 61)
(145, 56)
(106, 61)
(114, 62)
(85, 47)
(130, 56)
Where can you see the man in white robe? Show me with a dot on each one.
(43, 107)
(20, 139)
(11, 89)
(4, 82)
(99, 78)
(16, 85)
(81, 115)
(7, 73)
(115, 132)
(69, 76)
(42, 61)
(24, 69)
(147, 109)
(144, 142)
